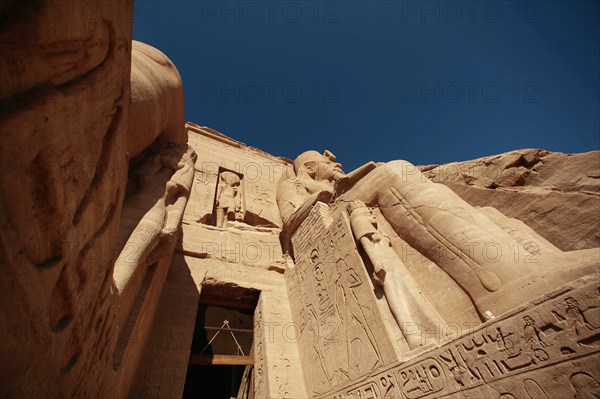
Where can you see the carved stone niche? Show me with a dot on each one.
(229, 203)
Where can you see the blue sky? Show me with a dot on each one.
(429, 82)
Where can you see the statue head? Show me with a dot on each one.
(231, 179)
(320, 167)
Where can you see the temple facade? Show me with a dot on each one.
(143, 256)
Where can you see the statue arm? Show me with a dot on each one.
(379, 271)
(353, 177)
(297, 216)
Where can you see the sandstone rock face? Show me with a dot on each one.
(557, 195)
(515, 356)
(63, 136)
(86, 246)
(358, 292)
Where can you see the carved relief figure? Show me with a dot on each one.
(533, 342)
(575, 318)
(320, 373)
(321, 289)
(425, 214)
(363, 355)
(229, 198)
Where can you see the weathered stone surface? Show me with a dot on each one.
(548, 348)
(246, 247)
(340, 330)
(378, 283)
(557, 195)
(156, 100)
(258, 170)
(413, 215)
(224, 255)
(85, 245)
(164, 364)
(63, 133)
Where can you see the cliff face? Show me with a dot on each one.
(556, 194)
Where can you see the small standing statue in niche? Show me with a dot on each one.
(411, 310)
(229, 198)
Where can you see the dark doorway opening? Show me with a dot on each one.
(213, 381)
(221, 360)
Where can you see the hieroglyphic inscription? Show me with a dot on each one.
(510, 355)
(342, 336)
(260, 369)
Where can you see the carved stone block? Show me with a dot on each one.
(546, 349)
(341, 335)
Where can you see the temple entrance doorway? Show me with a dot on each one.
(221, 360)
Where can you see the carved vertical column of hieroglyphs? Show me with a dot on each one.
(64, 101)
(260, 363)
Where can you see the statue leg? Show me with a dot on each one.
(467, 245)
(221, 217)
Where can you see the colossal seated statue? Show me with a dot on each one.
(465, 243)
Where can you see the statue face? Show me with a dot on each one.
(231, 179)
(321, 167)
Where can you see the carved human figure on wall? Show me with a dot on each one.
(364, 355)
(532, 341)
(411, 310)
(151, 216)
(229, 198)
(427, 215)
(320, 374)
(575, 318)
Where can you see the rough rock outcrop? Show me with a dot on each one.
(556, 194)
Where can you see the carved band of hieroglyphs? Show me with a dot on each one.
(554, 332)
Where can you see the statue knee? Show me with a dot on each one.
(403, 171)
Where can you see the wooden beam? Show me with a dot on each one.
(228, 303)
(222, 360)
